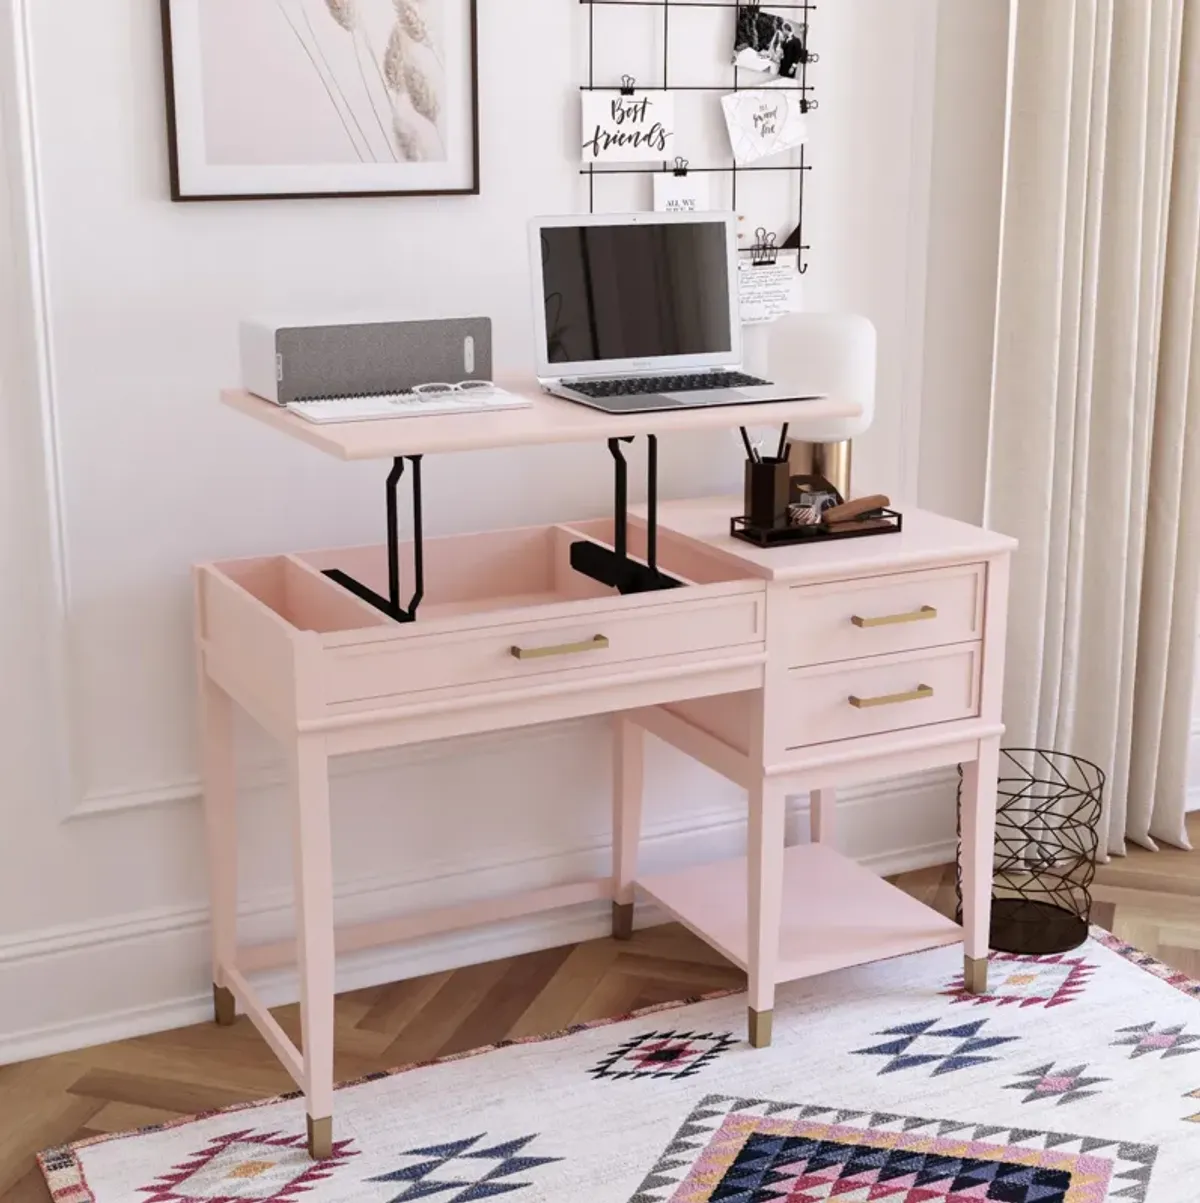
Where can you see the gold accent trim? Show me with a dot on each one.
(890, 620)
(975, 973)
(224, 1006)
(922, 693)
(762, 1024)
(320, 1138)
(597, 643)
(622, 920)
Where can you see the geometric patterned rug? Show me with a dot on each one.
(1075, 1080)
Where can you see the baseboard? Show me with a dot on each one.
(131, 975)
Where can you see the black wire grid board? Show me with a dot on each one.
(735, 81)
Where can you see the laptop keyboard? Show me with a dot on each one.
(631, 386)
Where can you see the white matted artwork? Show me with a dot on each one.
(764, 121)
(293, 98)
(627, 126)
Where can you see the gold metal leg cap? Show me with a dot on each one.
(622, 920)
(761, 1024)
(975, 970)
(224, 1006)
(320, 1138)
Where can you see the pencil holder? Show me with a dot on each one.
(767, 484)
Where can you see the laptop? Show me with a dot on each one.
(638, 313)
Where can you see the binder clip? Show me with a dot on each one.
(807, 106)
(627, 82)
(681, 166)
(764, 252)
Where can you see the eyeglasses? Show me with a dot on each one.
(440, 388)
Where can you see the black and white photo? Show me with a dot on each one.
(768, 42)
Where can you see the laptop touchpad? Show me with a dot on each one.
(709, 396)
(641, 402)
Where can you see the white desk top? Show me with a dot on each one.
(548, 420)
(926, 541)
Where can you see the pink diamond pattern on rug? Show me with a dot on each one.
(733, 1150)
(666, 1054)
(246, 1167)
(1147, 1039)
(1066, 1084)
(1028, 981)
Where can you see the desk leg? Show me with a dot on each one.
(976, 855)
(220, 822)
(765, 881)
(822, 811)
(629, 741)
(314, 935)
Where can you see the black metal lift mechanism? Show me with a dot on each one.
(610, 566)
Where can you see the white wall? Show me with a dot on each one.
(102, 897)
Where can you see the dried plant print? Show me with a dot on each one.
(368, 77)
(343, 12)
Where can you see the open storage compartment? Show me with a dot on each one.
(499, 608)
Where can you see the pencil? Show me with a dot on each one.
(783, 442)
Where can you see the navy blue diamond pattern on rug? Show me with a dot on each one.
(461, 1172)
(914, 1045)
(667, 1054)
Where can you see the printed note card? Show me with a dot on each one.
(681, 193)
(634, 128)
(764, 121)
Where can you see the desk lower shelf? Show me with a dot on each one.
(835, 912)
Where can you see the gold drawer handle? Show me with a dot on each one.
(891, 620)
(920, 694)
(596, 644)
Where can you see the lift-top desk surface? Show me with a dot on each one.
(548, 420)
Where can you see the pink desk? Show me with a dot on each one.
(788, 671)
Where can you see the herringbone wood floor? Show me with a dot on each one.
(1151, 901)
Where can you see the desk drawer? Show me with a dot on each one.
(671, 625)
(891, 693)
(881, 615)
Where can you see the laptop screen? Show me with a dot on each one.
(636, 291)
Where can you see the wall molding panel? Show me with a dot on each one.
(255, 778)
(29, 366)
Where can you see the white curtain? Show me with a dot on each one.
(1095, 451)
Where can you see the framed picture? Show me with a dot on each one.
(310, 98)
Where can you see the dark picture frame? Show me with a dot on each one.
(386, 103)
